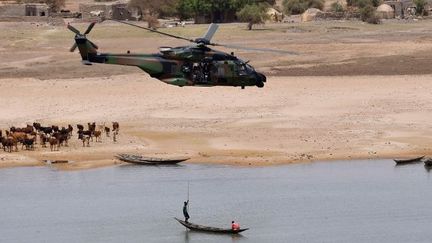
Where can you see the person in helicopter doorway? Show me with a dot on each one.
(185, 211)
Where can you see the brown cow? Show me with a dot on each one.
(27, 129)
(18, 137)
(29, 142)
(62, 137)
(107, 131)
(8, 144)
(70, 130)
(91, 126)
(116, 126)
(53, 143)
(43, 139)
(98, 136)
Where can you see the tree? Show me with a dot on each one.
(299, 6)
(194, 8)
(420, 7)
(153, 9)
(254, 14)
(191, 8)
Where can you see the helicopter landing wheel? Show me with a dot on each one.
(260, 85)
(242, 87)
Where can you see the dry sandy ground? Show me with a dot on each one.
(329, 109)
(292, 119)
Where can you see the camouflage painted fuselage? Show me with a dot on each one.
(182, 66)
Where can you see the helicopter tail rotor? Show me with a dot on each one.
(84, 45)
(78, 35)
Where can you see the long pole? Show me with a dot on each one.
(188, 195)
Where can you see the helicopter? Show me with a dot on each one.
(193, 65)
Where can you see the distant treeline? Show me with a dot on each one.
(186, 9)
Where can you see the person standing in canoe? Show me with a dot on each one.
(185, 211)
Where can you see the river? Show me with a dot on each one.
(342, 201)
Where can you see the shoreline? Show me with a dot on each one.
(104, 163)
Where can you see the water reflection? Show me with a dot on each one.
(193, 236)
(135, 166)
(408, 164)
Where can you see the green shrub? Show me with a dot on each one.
(299, 6)
(367, 12)
(363, 3)
(368, 15)
(254, 14)
(420, 7)
(337, 7)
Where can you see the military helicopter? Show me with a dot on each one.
(193, 65)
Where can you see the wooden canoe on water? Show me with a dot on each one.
(141, 160)
(202, 228)
(407, 161)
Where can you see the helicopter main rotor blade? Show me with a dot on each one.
(211, 31)
(89, 28)
(155, 31)
(71, 28)
(256, 49)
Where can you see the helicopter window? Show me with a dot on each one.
(249, 68)
(242, 68)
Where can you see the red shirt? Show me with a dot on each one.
(235, 226)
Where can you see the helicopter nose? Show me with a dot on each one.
(261, 79)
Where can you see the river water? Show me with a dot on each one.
(346, 201)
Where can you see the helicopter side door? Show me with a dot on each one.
(223, 72)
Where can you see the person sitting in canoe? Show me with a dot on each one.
(185, 211)
(235, 226)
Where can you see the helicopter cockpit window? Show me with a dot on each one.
(243, 68)
(249, 68)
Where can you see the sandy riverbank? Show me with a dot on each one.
(292, 119)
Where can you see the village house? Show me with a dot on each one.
(118, 10)
(11, 9)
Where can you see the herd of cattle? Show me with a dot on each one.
(53, 135)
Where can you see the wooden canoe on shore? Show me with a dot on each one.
(202, 228)
(56, 161)
(141, 160)
(407, 161)
(428, 162)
